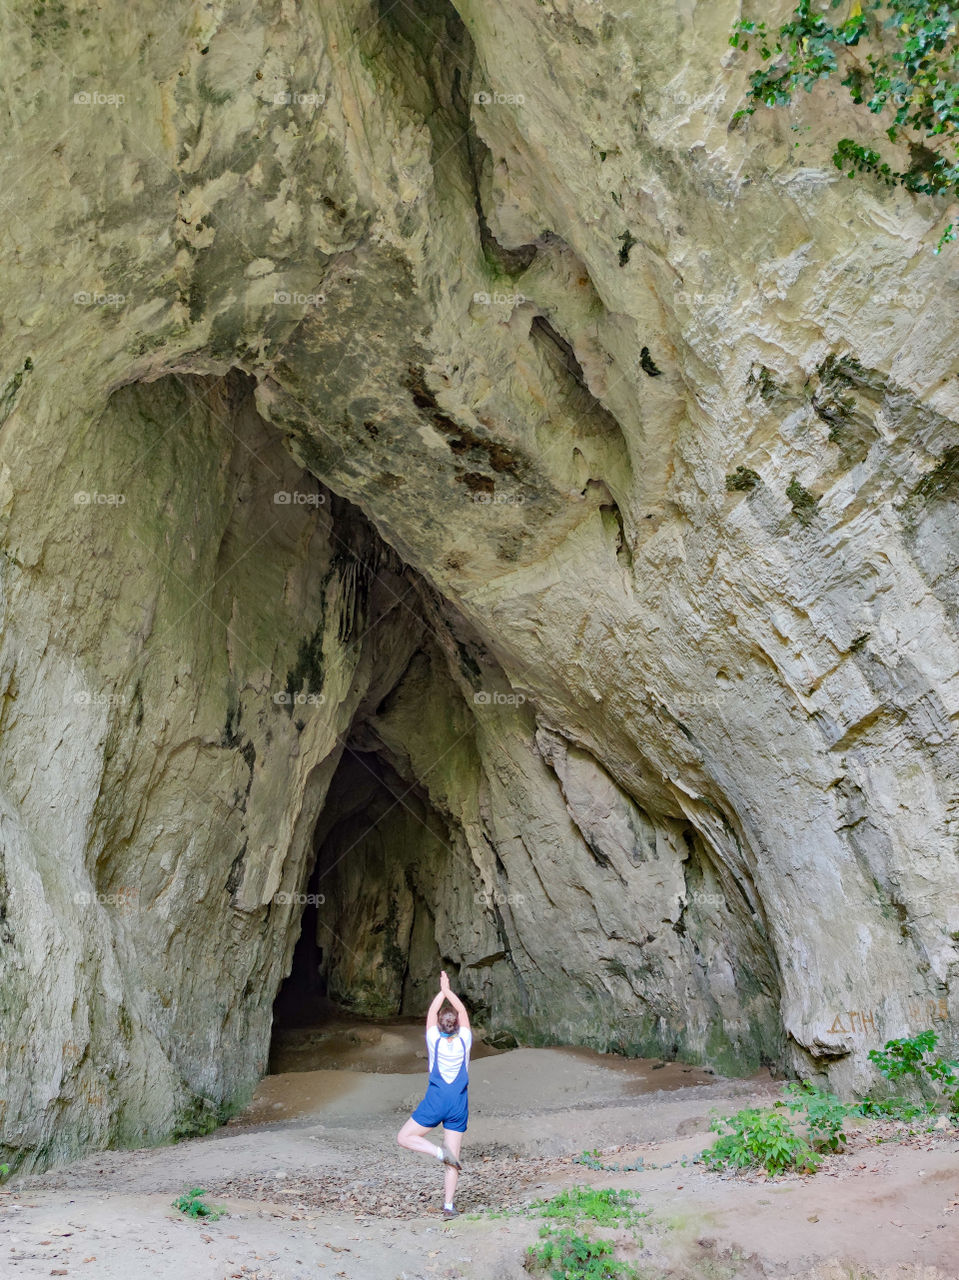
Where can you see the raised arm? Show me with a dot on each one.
(447, 993)
(434, 1009)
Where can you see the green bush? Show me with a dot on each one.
(825, 1114)
(912, 1056)
(566, 1254)
(194, 1206)
(766, 1139)
(896, 1108)
(759, 1139)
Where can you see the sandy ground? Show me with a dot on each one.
(315, 1186)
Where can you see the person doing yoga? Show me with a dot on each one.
(448, 1043)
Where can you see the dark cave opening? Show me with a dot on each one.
(366, 947)
(301, 1000)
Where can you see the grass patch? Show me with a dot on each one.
(602, 1205)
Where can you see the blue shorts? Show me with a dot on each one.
(443, 1106)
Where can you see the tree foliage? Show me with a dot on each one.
(898, 60)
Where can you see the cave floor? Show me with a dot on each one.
(314, 1184)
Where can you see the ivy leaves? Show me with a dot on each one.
(901, 59)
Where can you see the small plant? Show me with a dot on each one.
(759, 1139)
(824, 1112)
(762, 382)
(912, 1056)
(4, 1172)
(892, 1108)
(566, 1254)
(194, 1206)
(628, 240)
(602, 1205)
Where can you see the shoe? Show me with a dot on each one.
(451, 1213)
(450, 1159)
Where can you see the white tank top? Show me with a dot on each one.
(451, 1051)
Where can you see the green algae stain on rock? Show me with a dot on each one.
(942, 483)
(308, 668)
(804, 503)
(742, 480)
(11, 390)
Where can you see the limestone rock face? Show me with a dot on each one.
(450, 473)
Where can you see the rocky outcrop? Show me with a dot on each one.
(448, 469)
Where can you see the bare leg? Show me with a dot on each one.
(411, 1137)
(454, 1142)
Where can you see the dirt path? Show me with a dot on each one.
(315, 1185)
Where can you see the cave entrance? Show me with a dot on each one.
(301, 1000)
(367, 947)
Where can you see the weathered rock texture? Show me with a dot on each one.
(514, 679)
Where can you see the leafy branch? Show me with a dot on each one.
(899, 59)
